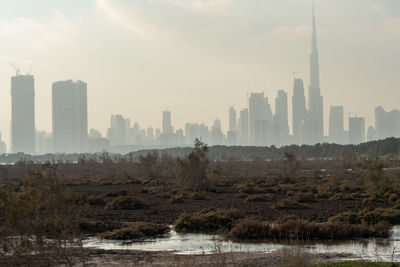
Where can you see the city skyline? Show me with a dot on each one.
(179, 122)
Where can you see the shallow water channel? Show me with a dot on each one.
(383, 249)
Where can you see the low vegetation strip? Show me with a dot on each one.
(128, 202)
(296, 229)
(369, 216)
(208, 220)
(358, 264)
(138, 231)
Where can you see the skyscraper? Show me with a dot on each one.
(23, 114)
(168, 137)
(371, 134)
(117, 131)
(259, 111)
(298, 109)
(216, 135)
(387, 124)
(281, 117)
(70, 119)
(166, 122)
(232, 120)
(315, 100)
(232, 133)
(244, 127)
(3, 146)
(356, 130)
(336, 125)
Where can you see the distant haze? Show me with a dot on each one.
(198, 57)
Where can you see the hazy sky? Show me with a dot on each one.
(198, 57)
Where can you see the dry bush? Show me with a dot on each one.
(393, 197)
(96, 201)
(208, 220)
(194, 168)
(143, 191)
(198, 196)
(298, 229)
(137, 231)
(90, 227)
(116, 193)
(39, 223)
(259, 198)
(370, 216)
(250, 229)
(304, 197)
(178, 198)
(290, 203)
(242, 195)
(342, 196)
(128, 202)
(247, 190)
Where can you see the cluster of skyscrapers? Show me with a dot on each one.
(69, 118)
(255, 125)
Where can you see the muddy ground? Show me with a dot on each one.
(161, 211)
(144, 258)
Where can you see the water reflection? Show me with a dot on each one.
(190, 244)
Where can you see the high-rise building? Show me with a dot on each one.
(281, 118)
(244, 127)
(3, 146)
(336, 125)
(307, 133)
(150, 134)
(94, 133)
(168, 137)
(298, 109)
(166, 122)
(232, 133)
(371, 134)
(158, 133)
(44, 143)
(128, 140)
(356, 130)
(267, 133)
(387, 124)
(193, 131)
(216, 135)
(70, 118)
(23, 114)
(232, 120)
(117, 131)
(315, 99)
(259, 110)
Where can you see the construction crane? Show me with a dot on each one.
(16, 68)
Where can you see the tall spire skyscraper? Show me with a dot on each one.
(315, 100)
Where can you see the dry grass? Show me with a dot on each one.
(290, 203)
(137, 231)
(208, 220)
(128, 202)
(297, 229)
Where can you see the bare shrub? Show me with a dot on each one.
(208, 220)
(116, 193)
(39, 223)
(138, 230)
(128, 202)
(193, 169)
(290, 203)
(259, 198)
(304, 197)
